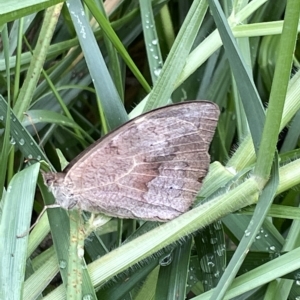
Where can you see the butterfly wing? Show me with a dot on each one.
(151, 168)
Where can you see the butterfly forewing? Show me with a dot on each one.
(151, 168)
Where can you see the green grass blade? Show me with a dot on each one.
(105, 25)
(248, 92)
(260, 213)
(114, 65)
(15, 221)
(105, 88)
(46, 270)
(279, 89)
(20, 135)
(15, 9)
(6, 147)
(172, 278)
(175, 61)
(39, 56)
(155, 60)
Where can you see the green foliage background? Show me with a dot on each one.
(72, 71)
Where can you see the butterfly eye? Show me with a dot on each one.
(48, 181)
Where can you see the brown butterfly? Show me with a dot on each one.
(150, 168)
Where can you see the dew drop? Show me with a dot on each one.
(210, 264)
(247, 233)
(80, 252)
(12, 141)
(272, 248)
(213, 241)
(157, 72)
(217, 274)
(21, 142)
(62, 264)
(220, 250)
(165, 261)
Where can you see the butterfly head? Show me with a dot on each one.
(60, 189)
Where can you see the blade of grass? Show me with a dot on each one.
(202, 52)
(60, 230)
(248, 92)
(113, 59)
(75, 262)
(46, 116)
(245, 155)
(18, 201)
(176, 59)
(36, 65)
(261, 275)
(5, 146)
(292, 137)
(15, 9)
(278, 90)
(105, 88)
(47, 270)
(260, 213)
(155, 60)
(172, 278)
(20, 135)
(106, 27)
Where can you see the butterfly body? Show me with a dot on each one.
(150, 168)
